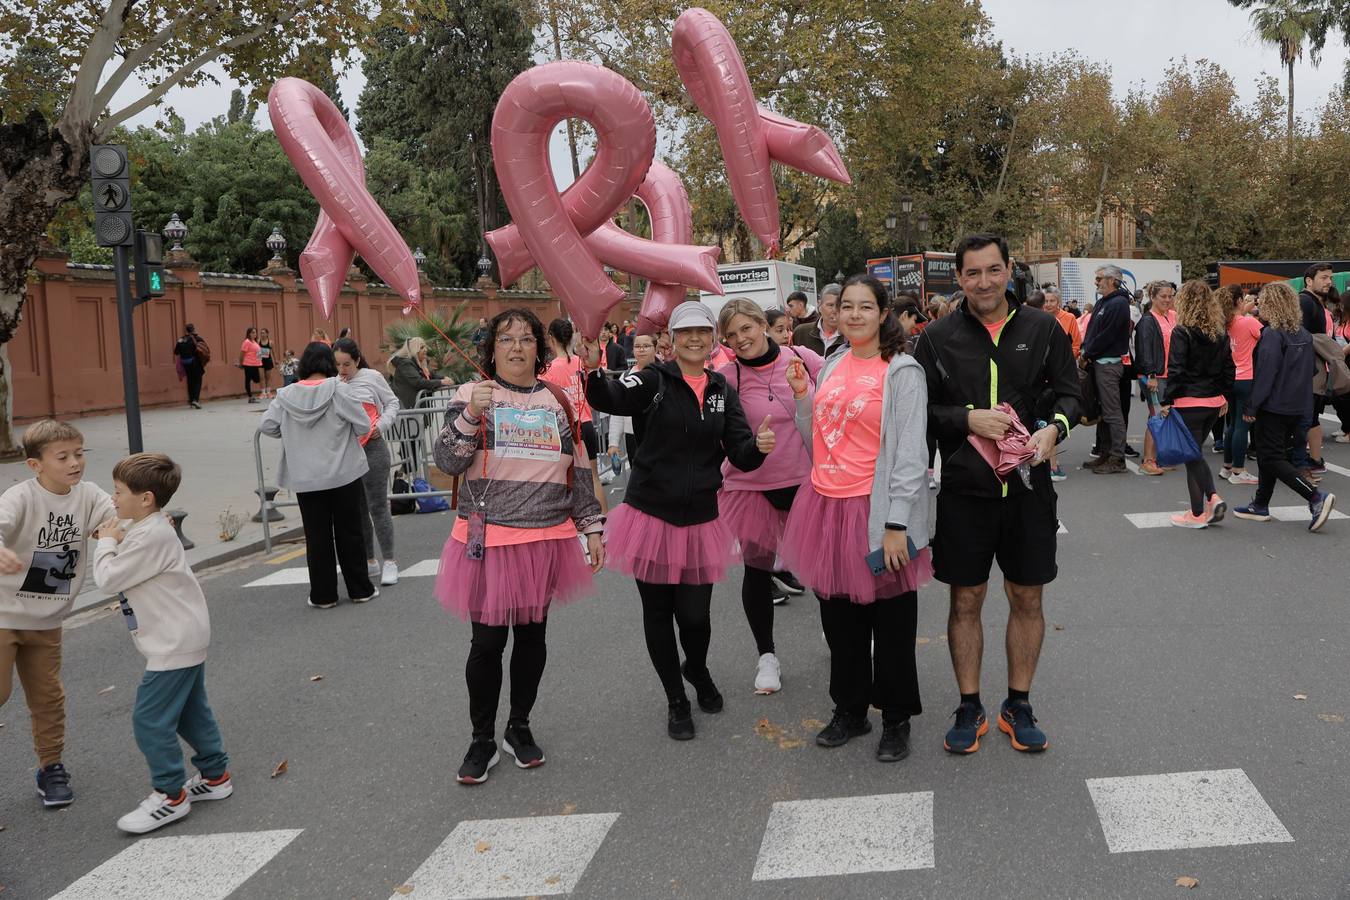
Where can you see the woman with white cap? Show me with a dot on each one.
(666, 533)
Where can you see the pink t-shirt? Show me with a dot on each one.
(698, 384)
(1168, 324)
(995, 328)
(570, 375)
(1243, 334)
(1194, 402)
(846, 428)
(251, 350)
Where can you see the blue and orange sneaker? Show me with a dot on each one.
(1016, 721)
(971, 725)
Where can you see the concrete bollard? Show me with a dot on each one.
(177, 516)
(269, 492)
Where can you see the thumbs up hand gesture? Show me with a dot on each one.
(764, 439)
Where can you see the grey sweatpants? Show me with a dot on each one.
(375, 500)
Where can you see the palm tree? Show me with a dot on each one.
(1289, 25)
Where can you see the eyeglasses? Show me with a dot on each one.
(506, 340)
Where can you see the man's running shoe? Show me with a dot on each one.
(1130, 451)
(1114, 465)
(1016, 721)
(1215, 509)
(842, 729)
(1189, 519)
(971, 725)
(1253, 512)
(478, 762)
(155, 811)
(788, 584)
(768, 675)
(519, 742)
(894, 743)
(200, 787)
(1320, 507)
(53, 786)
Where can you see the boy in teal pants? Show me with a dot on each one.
(165, 610)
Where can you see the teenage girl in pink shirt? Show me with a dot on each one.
(867, 498)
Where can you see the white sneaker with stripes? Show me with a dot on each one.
(155, 811)
(199, 788)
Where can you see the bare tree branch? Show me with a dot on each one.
(102, 43)
(134, 60)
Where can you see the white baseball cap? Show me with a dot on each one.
(691, 314)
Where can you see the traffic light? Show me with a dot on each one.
(149, 266)
(110, 180)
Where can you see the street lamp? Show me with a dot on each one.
(923, 227)
(419, 258)
(484, 267)
(906, 204)
(890, 221)
(174, 230)
(839, 277)
(276, 242)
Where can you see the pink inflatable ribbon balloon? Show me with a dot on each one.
(565, 235)
(320, 144)
(714, 74)
(672, 220)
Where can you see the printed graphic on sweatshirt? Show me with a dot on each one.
(56, 558)
(526, 434)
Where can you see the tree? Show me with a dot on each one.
(97, 48)
(840, 245)
(1290, 25)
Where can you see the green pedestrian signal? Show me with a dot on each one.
(149, 262)
(156, 284)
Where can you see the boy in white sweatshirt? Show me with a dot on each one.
(44, 525)
(164, 608)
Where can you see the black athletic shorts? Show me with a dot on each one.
(589, 438)
(1018, 531)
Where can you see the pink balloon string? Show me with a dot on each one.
(751, 137)
(320, 144)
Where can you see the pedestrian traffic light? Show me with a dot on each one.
(110, 180)
(149, 266)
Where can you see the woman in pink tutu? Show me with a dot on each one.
(755, 504)
(865, 511)
(666, 533)
(513, 551)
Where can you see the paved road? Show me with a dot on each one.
(1168, 686)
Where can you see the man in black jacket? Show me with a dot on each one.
(1318, 288)
(822, 335)
(987, 351)
(1105, 347)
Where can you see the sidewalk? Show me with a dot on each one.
(214, 445)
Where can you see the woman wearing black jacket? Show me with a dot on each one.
(1200, 374)
(666, 533)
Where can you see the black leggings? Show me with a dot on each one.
(483, 673)
(757, 599)
(1199, 476)
(663, 606)
(872, 655)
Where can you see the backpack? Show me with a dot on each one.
(401, 507)
(428, 504)
(203, 350)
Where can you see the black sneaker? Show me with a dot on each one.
(894, 745)
(778, 597)
(53, 786)
(842, 729)
(1130, 451)
(788, 584)
(709, 698)
(480, 759)
(680, 724)
(519, 742)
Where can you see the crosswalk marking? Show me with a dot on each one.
(300, 574)
(847, 836)
(187, 867)
(1280, 513)
(1184, 810)
(1339, 470)
(511, 857)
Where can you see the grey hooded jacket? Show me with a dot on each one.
(318, 425)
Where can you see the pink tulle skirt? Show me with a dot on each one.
(655, 551)
(756, 525)
(512, 585)
(825, 545)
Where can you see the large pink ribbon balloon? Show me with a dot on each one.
(714, 74)
(672, 220)
(321, 146)
(566, 234)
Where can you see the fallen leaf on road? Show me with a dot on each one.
(789, 744)
(766, 729)
(1300, 696)
(1059, 627)
(316, 678)
(280, 769)
(812, 724)
(1331, 717)
(403, 889)
(553, 879)
(942, 639)
(568, 809)
(482, 847)
(1187, 881)
(111, 687)
(921, 641)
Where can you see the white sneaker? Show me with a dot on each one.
(1243, 478)
(154, 812)
(768, 677)
(199, 788)
(607, 477)
(389, 574)
(367, 599)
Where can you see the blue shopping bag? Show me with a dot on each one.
(1173, 440)
(428, 504)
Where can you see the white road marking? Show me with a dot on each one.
(1339, 470)
(189, 867)
(300, 575)
(1132, 466)
(1280, 513)
(1184, 810)
(1062, 529)
(511, 857)
(847, 836)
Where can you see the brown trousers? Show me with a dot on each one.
(37, 656)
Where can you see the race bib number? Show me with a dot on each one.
(527, 434)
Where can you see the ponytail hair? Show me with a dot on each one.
(891, 336)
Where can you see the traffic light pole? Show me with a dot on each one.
(126, 324)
